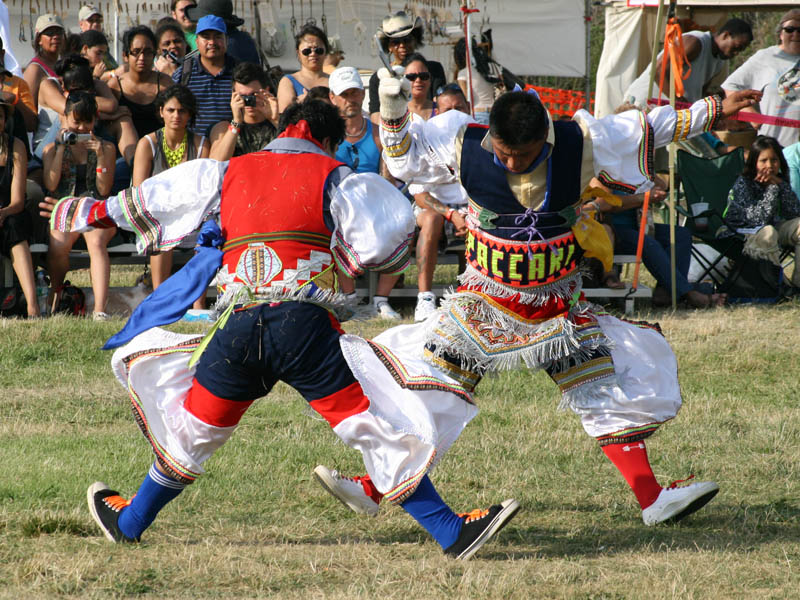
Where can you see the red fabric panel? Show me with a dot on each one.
(345, 403)
(212, 409)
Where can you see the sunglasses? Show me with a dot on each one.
(316, 50)
(412, 77)
(403, 40)
(141, 51)
(449, 87)
(791, 29)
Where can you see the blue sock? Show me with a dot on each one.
(430, 511)
(155, 492)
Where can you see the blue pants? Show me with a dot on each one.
(655, 254)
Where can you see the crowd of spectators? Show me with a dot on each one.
(195, 87)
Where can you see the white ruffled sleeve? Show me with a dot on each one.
(161, 212)
(423, 152)
(374, 225)
(623, 144)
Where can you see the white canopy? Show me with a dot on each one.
(546, 37)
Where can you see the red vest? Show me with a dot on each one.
(271, 219)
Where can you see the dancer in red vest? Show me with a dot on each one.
(290, 217)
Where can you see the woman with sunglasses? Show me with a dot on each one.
(47, 44)
(417, 72)
(138, 88)
(776, 71)
(312, 46)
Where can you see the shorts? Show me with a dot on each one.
(15, 229)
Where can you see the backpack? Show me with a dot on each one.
(12, 302)
(72, 301)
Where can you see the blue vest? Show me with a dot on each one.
(540, 247)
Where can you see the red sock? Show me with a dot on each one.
(370, 489)
(631, 460)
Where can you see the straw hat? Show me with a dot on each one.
(399, 25)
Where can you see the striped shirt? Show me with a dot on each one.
(212, 92)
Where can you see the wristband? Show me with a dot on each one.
(100, 170)
(449, 215)
(234, 127)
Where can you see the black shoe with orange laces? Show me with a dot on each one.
(105, 505)
(480, 526)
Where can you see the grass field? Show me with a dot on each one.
(258, 526)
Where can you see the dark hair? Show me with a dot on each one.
(72, 44)
(75, 72)
(319, 92)
(165, 25)
(183, 95)
(451, 89)
(417, 57)
(322, 117)
(130, 35)
(83, 105)
(91, 38)
(246, 72)
(761, 143)
(460, 54)
(736, 28)
(311, 30)
(518, 118)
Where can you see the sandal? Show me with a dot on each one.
(611, 281)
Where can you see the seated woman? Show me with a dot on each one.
(763, 207)
(171, 145)
(172, 46)
(76, 164)
(656, 252)
(15, 222)
(311, 44)
(137, 89)
(418, 73)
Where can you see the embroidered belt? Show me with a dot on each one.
(319, 240)
(523, 264)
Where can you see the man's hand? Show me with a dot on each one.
(394, 91)
(736, 101)
(460, 223)
(46, 207)
(237, 107)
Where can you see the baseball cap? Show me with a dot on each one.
(46, 21)
(87, 12)
(210, 22)
(343, 79)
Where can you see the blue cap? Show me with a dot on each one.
(210, 22)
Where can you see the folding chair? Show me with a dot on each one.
(708, 181)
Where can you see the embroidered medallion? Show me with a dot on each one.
(258, 265)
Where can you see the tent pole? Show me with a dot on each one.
(466, 11)
(654, 56)
(587, 78)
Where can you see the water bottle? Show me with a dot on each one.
(42, 289)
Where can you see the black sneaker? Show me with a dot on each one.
(105, 505)
(479, 527)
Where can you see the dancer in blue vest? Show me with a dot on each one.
(520, 300)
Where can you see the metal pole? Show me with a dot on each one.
(654, 55)
(587, 79)
(468, 56)
(116, 31)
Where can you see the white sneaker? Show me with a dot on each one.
(385, 311)
(101, 316)
(426, 306)
(347, 490)
(674, 503)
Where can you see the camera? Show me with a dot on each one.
(249, 100)
(68, 138)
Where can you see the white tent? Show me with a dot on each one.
(628, 44)
(546, 37)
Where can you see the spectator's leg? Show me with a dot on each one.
(160, 267)
(654, 256)
(58, 260)
(430, 225)
(99, 265)
(23, 267)
(789, 237)
(126, 136)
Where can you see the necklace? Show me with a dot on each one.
(360, 131)
(174, 157)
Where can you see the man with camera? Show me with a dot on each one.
(255, 115)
